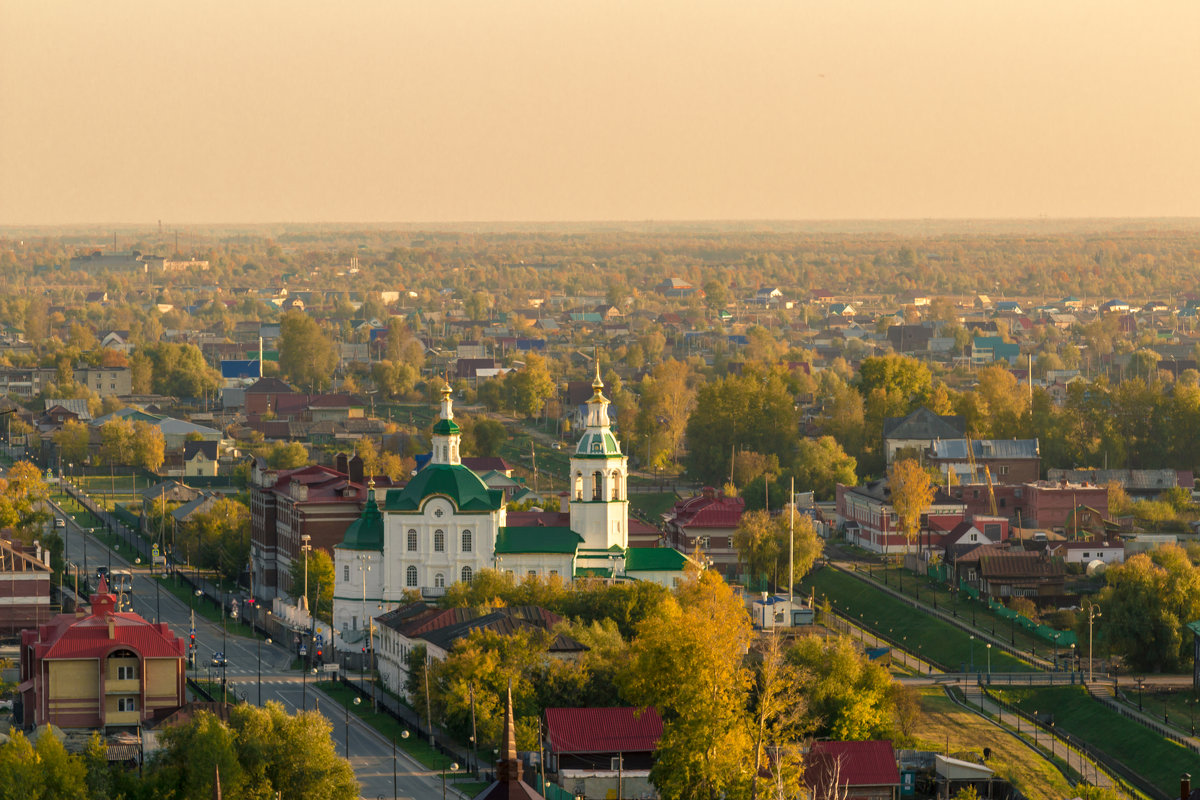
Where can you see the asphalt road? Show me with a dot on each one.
(379, 773)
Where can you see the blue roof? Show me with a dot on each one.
(251, 368)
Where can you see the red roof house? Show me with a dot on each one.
(709, 520)
(853, 771)
(100, 669)
(592, 750)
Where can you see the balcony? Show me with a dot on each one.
(129, 686)
(433, 591)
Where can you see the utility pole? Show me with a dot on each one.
(791, 548)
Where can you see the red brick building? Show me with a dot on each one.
(101, 668)
(24, 589)
(286, 505)
(709, 520)
(1037, 504)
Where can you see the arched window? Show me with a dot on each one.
(410, 576)
(578, 485)
(412, 540)
(597, 485)
(439, 541)
(616, 485)
(466, 541)
(466, 575)
(439, 581)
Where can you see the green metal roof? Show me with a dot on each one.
(537, 539)
(446, 427)
(654, 559)
(366, 532)
(597, 444)
(454, 481)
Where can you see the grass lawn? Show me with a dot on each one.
(389, 726)
(80, 514)
(929, 637)
(983, 617)
(1158, 760)
(945, 725)
(650, 506)
(1179, 705)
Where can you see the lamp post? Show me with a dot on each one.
(972, 638)
(989, 661)
(1093, 612)
(357, 700)
(259, 647)
(395, 788)
(453, 768)
(1140, 683)
(305, 548)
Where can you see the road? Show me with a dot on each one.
(370, 754)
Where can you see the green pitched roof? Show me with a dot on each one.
(454, 481)
(597, 444)
(654, 559)
(446, 427)
(366, 532)
(537, 539)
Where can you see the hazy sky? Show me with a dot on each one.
(456, 110)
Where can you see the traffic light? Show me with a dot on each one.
(318, 654)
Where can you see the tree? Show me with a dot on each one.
(178, 370)
(147, 446)
(221, 537)
(779, 720)
(320, 582)
(116, 441)
(747, 412)
(1147, 603)
(291, 455)
(757, 543)
(912, 492)
(849, 697)
(307, 356)
(23, 492)
(821, 464)
(487, 435)
(43, 770)
(530, 387)
(393, 378)
(764, 543)
(72, 441)
(686, 661)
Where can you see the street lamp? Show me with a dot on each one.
(1093, 612)
(989, 661)
(972, 638)
(259, 648)
(1140, 683)
(453, 768)
(395, 788)
(357, 700)
(305, 548)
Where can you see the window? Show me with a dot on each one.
(410, 576)
(439, 541)
(346, 573)
(127, 673)
(1002, 469)
(704, 542)
(126, 704)
(466, 541)
(465, 575)
(354, 622)
(578, 485)
(554, 572)
(597, 485)
(533, 573)
(616, 485)
(439, 581)
(412, 540)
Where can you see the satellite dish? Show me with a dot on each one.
(1096, 567)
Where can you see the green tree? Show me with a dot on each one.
(779, 720)
(320, 582)
(1147, 603)
(747, 412)
(487, 436)
(178, 370)
(221, 537)
(821, 464)
(307, 356)
(849, 697)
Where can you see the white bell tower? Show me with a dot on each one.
(446, 433)
(599, 502)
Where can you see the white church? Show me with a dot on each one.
(446, 525)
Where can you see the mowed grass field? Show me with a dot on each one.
(1158, 760)
(921, 633)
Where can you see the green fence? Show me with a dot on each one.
(127, 517)
(1045, 632)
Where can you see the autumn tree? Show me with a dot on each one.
(849, 697)
(912, 492)
(779, 719)
(147, 446)
(687, 661)
(307, 357)
(72, 441)
(745, 412)
(1148, 602)
(529, 387)
(220, 537)
(821, 464)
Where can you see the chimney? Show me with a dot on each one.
(1185, 786)
(355, 469)
(112, 628)
(341, 463)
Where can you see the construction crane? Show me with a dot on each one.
(987, 473)
(971, 460)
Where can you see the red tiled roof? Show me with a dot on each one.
(854, 763)
(69, 636)
(708, 512)
(603, 730)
